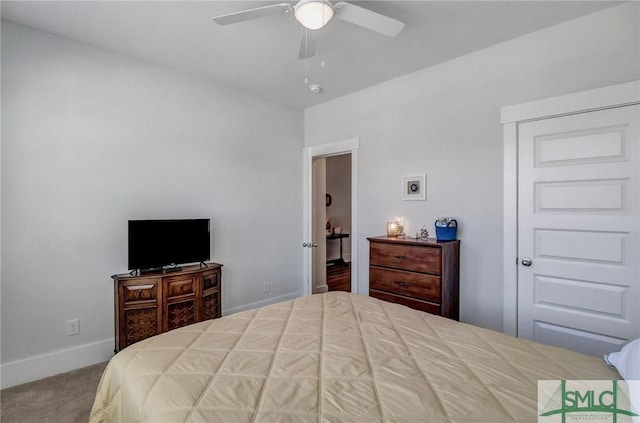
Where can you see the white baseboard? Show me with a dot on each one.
(50, 364)
(266, 301)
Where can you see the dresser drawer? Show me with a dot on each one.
(210, 279)
(134, 293)
(179, 286)
(406, 257)
(417, 285)
(409, 302)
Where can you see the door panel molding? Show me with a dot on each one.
(511, 116)
(563, 246)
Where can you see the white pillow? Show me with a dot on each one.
(627, 363)
(627, 360)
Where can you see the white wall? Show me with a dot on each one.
(91, 139)
(339, 186)
(445, 121)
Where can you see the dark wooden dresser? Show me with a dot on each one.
(151, 304)
(420, 274)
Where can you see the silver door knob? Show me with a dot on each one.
(527, 262)
(305, 244)
(309, 245)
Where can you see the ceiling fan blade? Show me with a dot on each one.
(245, 15)
(368, 19)
(308, 43)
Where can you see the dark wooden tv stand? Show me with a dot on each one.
(150, 304)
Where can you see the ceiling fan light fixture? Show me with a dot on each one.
(313, 14)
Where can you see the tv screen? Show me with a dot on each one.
(157, 243)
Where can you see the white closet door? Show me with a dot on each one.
(578, 227)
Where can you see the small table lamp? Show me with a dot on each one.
(394, 228)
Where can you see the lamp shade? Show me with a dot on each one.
(313, 14)
(394, 228)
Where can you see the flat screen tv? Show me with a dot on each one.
(154, 244)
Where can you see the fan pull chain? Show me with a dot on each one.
(323, 64)
(305, 37)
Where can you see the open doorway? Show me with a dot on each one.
(320, 245)
(338, 222)
(331, 222)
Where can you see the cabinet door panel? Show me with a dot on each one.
(181, 314)
(139, 323)
(210, 306)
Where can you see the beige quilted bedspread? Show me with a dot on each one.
(334, 357)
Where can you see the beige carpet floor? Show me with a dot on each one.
(65, 398)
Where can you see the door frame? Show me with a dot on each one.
(348, 146)
(510, 117)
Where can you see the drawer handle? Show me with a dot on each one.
(401, 257)
(403, 284)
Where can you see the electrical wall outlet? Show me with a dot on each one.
(267, 287)
(73, 327)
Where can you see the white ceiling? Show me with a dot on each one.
(261, 56)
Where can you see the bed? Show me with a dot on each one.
(334, 357)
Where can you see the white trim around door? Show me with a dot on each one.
(348, 146)
(511, 116)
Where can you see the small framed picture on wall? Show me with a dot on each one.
(414, 187)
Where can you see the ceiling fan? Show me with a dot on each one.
(315, 14)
